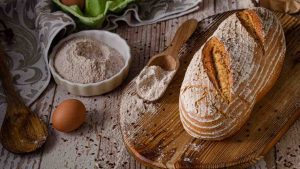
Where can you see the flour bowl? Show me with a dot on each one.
(91, 89)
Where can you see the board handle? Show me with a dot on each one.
(182, 34)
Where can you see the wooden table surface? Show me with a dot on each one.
(98, 143)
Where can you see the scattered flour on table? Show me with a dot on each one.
(196, 147)
(186, 159)
(152, 82)
(132, 108)
(84, 60)
(261, 164)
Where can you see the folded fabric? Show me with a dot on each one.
(34, 27)
(152, 11)
(287, 6)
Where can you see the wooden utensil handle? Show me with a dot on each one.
(182, 34)
(6, 77)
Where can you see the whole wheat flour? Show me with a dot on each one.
(152, 82)
(83, 60)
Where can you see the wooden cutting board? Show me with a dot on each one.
(157, 138)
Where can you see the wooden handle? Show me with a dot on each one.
(6, 78)
(183, 33)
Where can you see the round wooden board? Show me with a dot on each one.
(157, 139)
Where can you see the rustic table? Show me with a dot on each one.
(98, 143)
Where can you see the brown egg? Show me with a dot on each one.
(80, 3)
(69, 115)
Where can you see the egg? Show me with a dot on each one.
(69, 115)
(80, 3)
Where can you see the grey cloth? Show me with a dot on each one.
(34, 27)
(152, 11)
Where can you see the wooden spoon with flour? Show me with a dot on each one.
(154, 79)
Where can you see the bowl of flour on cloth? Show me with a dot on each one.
(90, 63)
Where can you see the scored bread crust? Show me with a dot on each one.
(234, 69)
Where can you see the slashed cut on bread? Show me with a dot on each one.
(234, 69)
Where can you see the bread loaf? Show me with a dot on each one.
(234, 69)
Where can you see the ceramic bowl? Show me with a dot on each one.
(91, 89)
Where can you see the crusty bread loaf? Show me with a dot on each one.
(235, 68)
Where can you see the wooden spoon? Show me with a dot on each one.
(22, 131)
(168, 59)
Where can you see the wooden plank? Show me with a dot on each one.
(77, 149)
(288, 149)
(245, 4)
(42, 107)
(221, 6)
(122, 158)
(111, 153)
